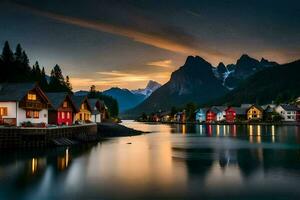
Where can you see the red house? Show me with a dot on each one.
(211, 115)
(230, 114)
(62, 110)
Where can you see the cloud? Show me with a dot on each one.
(164, 37)
(161, 63)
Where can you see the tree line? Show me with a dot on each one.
(15, 67)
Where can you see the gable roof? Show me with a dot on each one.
(240, 110)
(256, 106)
(57, 99)
(289, 107)
(204, 110)
(78, 100)
(15, 91)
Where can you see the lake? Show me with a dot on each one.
(172, 162)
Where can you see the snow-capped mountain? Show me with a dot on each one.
(150, 88)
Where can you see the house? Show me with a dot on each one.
(23, 102)
(62, 110)
(268, 112)
(288, 112)
(83, 109)
(254, 112)
(211, 115)
(180, 117)
(230, 114)
(221, 112)
(96, 106)
(298, 101)
(241, 113)
(165, 116)
(103, 111)
(201, 115)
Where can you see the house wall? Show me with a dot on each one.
(210, 116)
(96, 118)
(254, 113)
(200, 116)
(289, 116)
(221, 116)
(11, 112)
(21, 113)
(230, 115)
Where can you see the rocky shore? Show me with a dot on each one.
(109, 129)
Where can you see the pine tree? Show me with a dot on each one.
(7, 60)
(68, 83)
(7, 54)
(43, 81)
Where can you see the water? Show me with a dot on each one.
(173, 162)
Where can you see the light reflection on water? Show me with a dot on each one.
(173, 162)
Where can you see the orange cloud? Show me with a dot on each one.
(161, 63)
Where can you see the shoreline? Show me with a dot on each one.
(227, 123)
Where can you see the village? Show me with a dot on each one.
(27, 105)
(246, 113)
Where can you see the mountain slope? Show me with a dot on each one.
(279, 83)
(193, 82)
(150, 88)
(126, 99)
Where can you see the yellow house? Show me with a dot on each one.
(254, 112)
(83, 108)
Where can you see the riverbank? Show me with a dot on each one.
(227, 123)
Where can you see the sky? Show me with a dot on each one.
(126, 43)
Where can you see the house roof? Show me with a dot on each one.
(93, 101)
(220, 108)
(15, 91)
(256, 106)
(240, 110)
(78, 100)
(202, 109)
(56, 98)
(289, 107)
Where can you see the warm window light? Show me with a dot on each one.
(31, 96)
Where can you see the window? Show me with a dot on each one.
(36, 114)
(31, 96)
(32, 114)
(63, 115)
(65, 104)
(68, 115)
(3, 111)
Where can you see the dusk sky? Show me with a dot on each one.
(126, 43)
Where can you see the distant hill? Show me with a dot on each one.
(193, 82)
(279, 83)
(126, 99)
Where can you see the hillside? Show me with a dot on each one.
(279, 83)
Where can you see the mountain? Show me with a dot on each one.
(244, 67)
(150, 88)
(279, 83)
(193, 82)
(126, 99)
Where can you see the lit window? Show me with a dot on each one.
(63, 115)
(28, 114)
(31, 96)
(3, 111)
(36, 114)
(65, 104)
(68, 115)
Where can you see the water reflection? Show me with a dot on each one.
(174, 162)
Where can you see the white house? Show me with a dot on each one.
(220, 112)
(23, 102)
(288, 112)
(96, 108)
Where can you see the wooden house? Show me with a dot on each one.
(180, 117)
(254, 112)
(230, 114)
(211, 115)
(62, 110)
(23, 102)
(83, 109)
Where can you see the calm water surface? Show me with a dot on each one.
(173, 162)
